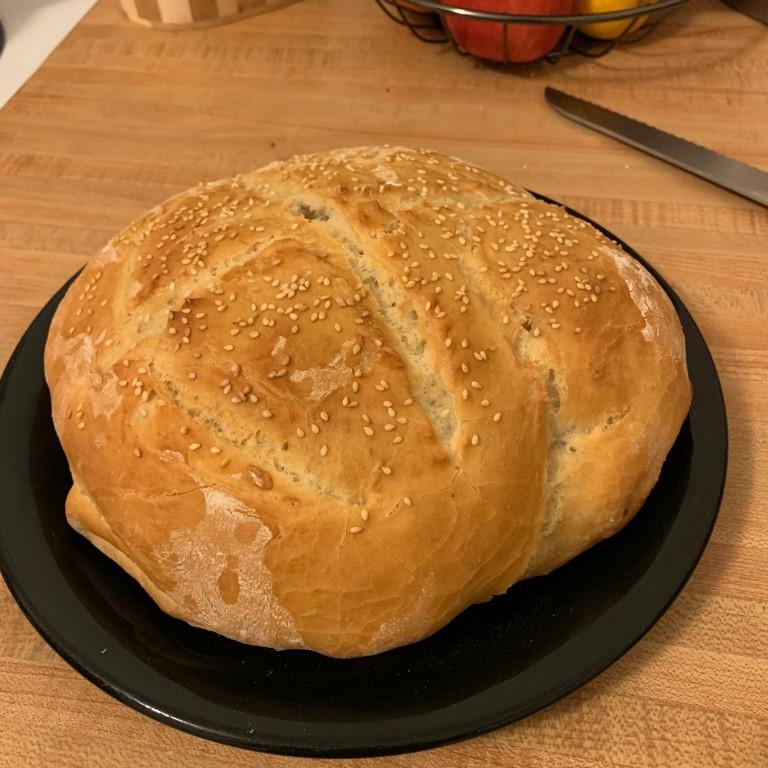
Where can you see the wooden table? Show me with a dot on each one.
(120, 117)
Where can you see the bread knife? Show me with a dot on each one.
(726, 172)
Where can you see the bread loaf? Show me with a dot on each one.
(331, 403)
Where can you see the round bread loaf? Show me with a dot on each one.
(331, 403)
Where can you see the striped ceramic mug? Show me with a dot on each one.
(183, 14)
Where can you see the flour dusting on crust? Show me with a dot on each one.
(196, 556)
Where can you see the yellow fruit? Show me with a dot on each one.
(609, 30)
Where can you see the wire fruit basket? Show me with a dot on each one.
(500, 37)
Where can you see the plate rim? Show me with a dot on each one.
(312, 745)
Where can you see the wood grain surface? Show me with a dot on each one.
(120, 117)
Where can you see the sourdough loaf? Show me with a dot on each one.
(331, 403)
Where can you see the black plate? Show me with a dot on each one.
(494, 664)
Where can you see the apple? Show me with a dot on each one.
(525, 42)
(609, 30)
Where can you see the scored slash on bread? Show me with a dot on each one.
(331, 403)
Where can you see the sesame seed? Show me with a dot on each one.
(397, 439)
(475, 439)
(368, 431)
(364, 514)
(194, 446)
(215, 449)
(228, 347)
(497, 416)
(407, 501)
(81, 425)
(137, 453)
(355, 529)
(266, 414)
(191, 376)
(324, 450)
(386, 470)
(315, 429)
(476, 385)
(300, 432)
(323, 415)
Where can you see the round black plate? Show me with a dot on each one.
(495, 663)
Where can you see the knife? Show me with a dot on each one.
(737, 177)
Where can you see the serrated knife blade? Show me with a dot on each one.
(726, 172)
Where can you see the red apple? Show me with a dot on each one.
(525, 42)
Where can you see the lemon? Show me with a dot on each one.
(608, 30)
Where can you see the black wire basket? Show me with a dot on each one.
(433, 21)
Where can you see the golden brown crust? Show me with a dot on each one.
(331, 403)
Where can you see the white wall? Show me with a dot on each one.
(33, 28)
